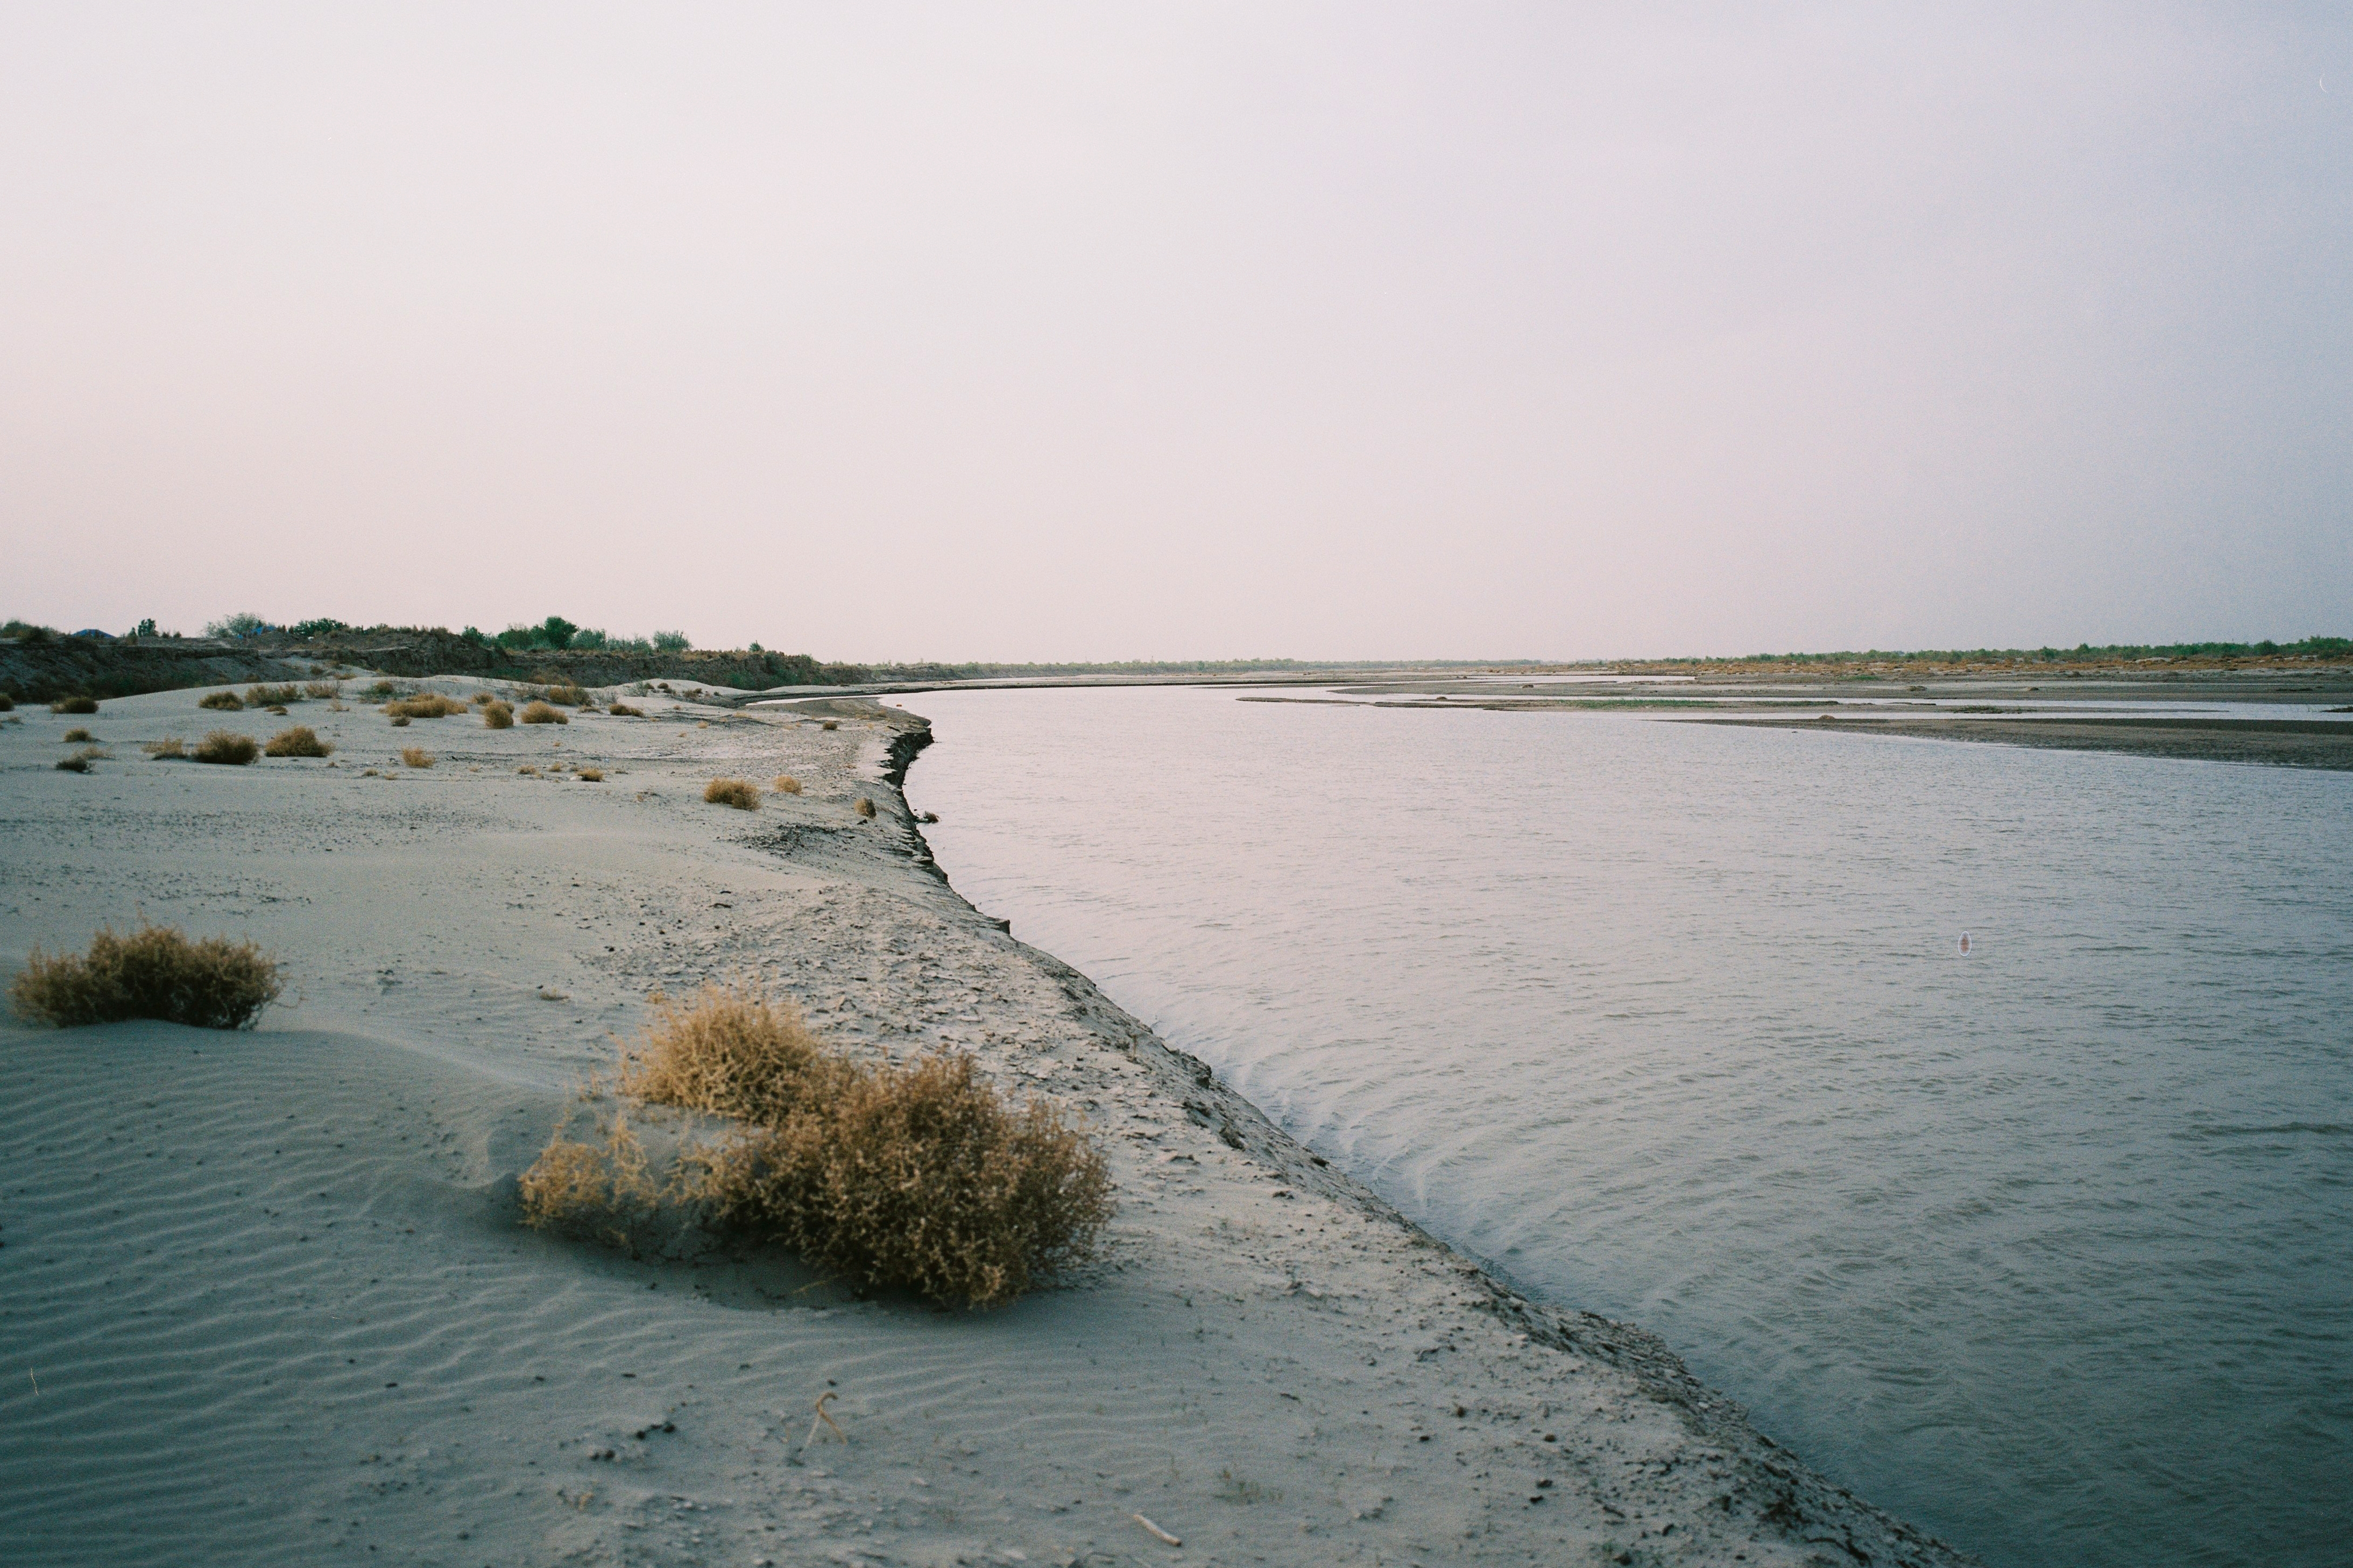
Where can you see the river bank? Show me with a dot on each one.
(266, 1295)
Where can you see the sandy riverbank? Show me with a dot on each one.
(264, 1298)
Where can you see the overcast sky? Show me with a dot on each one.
(1184, 331)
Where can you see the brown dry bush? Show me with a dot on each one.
(170, 747)
(398, 720)
(78, 733)
(864, 808)
(74, 705)
(227, 701)
(787, 784)
(498, 716)
(922, 1177)
(591, 775)
(541, 714)
(416, 757)
(623, 710)
(731, 1052)
(323, 689)
(271, 696)
(227, 746)
(741, 794)
(300, 740)
(79, 762)
(830, 724)
(570, 696)
(154, 973)
(423, 705)
(589, 1189)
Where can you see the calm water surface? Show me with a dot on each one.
(2048, 1247)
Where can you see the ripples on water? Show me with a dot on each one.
(2044, 1247)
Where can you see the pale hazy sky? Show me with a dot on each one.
(1184, 331)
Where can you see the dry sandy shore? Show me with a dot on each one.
(264, 1297)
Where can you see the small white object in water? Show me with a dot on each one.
(1965, 943)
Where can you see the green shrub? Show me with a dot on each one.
(154, 973)
(227, 746)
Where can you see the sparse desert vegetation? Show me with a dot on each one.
(224, 701)
(324, 690)
(79, 762)
(74, 705)
(271, 696)
(169, 749)
(416, 757)
(78, 733)
(497, 715)
(590, 776)
(830, 724)
(623, 710)
(8, 703)
(920, 1176)
(423, 705)
(154, 973)
(537, 712)
(228, 746)
(569, 696)
(865, 808)
(297, 741)
(787, 784)
(741, 794)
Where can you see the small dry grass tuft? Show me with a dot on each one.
(227, 746)
(80, 762)
(591, 775)
(170, 747)
(497, 715)
(864, 808)
(527, 768)
(74, 705)
(271, 696)
(741, 794)
(398, 720)
(623, 710)
(787, 784)
(416, 757)
(227, 701)
(570, 696)
(78, 734)
(589, 1189)
(154, 973)
(424, 705)
(541, 714)
(830, 724)
(324, 690)
(300, 740)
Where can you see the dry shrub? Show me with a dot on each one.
(383, 690)
(227, 701)
(920, 1176)
(527, 768)
(731, 1052)
(623, 710)
(8, 703)
(591, 775)
(830, 724)
(324, 690)
(570, 696)
(787, 784)
(74, 705)
(424, 705)
(300, 740)
(416, 757)
(79, 762)
(497, 715)
(741, 794)
(271, 696)
(398, 720)
(588, 1189)
(154, 973)
(170, 747)
(541, 714)
(227, 746)
(864, 808)
(78, 733)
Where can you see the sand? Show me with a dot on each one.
(265, 1297)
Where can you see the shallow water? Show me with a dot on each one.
(2047, 1247)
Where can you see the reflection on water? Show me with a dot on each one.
(2043, 1245)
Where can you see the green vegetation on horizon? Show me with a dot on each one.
(2311, 646)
